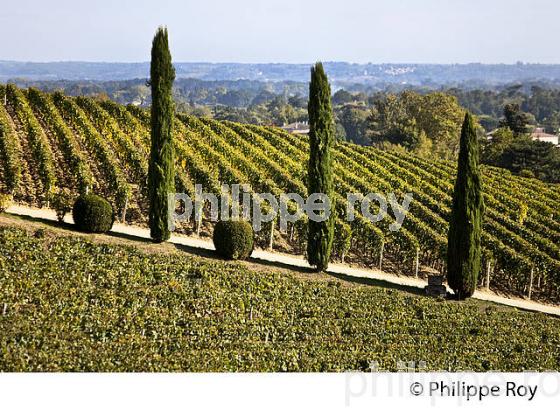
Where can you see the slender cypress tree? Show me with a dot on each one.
(321, 142)
(161, 172)
(465, 227)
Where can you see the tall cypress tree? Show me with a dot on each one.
(161, 172)
(321, 142)
(465, 227)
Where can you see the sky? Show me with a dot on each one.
(286, 31)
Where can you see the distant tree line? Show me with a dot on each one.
(285, 101)
(417, 119)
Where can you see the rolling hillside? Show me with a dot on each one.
(93, 306)
(50, 141)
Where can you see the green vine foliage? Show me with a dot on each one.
(43, 104)
(104, 148)
(38, 141)
(10, 150)
(96, 307)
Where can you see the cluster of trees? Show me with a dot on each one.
(541, 103)
(510, 146)
(279, 110)
(427, 124)
(233, 93)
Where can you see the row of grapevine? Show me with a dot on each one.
(427, 193)
(81, 171)
(531, 241)
(248, 171)
(501, 199)
(543, 257)
(153, 311)
(38, 141)
(537, 195)
(370, 236)
(105, 146)
(225, 142)
(257, 147)
(10, 152)
(133, 160)
(136, 122)
(129, 124)
(118, 186)
(373, 236)
(496, 226)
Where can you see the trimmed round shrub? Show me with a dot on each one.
(233, 239)
(93, 214)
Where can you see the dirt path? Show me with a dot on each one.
(297, 261)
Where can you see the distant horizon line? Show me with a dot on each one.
(277, 63)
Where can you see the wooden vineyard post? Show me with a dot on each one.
(381, 255)
(271, 237)
(123, 216)
(488, 268)
(417, 263)
(198, 223)
(531, 282)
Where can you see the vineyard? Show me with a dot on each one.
(97, 306)
(50, 142)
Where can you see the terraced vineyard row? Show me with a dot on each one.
(50, 141)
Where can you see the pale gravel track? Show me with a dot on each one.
(296, 261)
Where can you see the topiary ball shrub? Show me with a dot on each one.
(233, 239)
(93, 214)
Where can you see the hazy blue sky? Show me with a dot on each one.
(439, 31)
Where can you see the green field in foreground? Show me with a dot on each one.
(69, 304)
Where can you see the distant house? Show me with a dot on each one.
(490, 134)
(538, 134)
(297, 128)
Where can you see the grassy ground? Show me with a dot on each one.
(73, 302)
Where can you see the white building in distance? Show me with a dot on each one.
(538, 134)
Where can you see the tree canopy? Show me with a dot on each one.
(413, 120)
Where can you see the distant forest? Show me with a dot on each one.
(285, 101)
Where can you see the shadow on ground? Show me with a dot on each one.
(378, 282)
